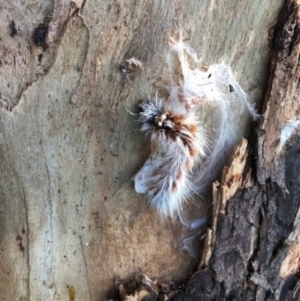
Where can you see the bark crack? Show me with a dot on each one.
(85, 267)
(28, 242)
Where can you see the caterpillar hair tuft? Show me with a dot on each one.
(178, 142)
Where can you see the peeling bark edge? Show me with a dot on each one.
(252, 250)
(281, 106)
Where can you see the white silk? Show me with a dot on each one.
(166, 178)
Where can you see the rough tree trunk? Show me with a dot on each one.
(252, 250)
(70, 221)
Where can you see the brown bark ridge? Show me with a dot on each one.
(252, 249)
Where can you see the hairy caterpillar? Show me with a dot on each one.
(183, 158)
(177, 144)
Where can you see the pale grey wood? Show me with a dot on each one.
(69, 147)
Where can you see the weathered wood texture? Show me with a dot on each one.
(252, 249)
(69, 218)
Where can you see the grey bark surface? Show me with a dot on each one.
(70, 221)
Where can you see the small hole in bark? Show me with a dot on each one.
(40, 56)
(40, 35)
(13, 30)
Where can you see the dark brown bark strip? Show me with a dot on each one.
(281, 109)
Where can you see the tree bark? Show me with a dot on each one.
(70, 220)
(252, 250)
